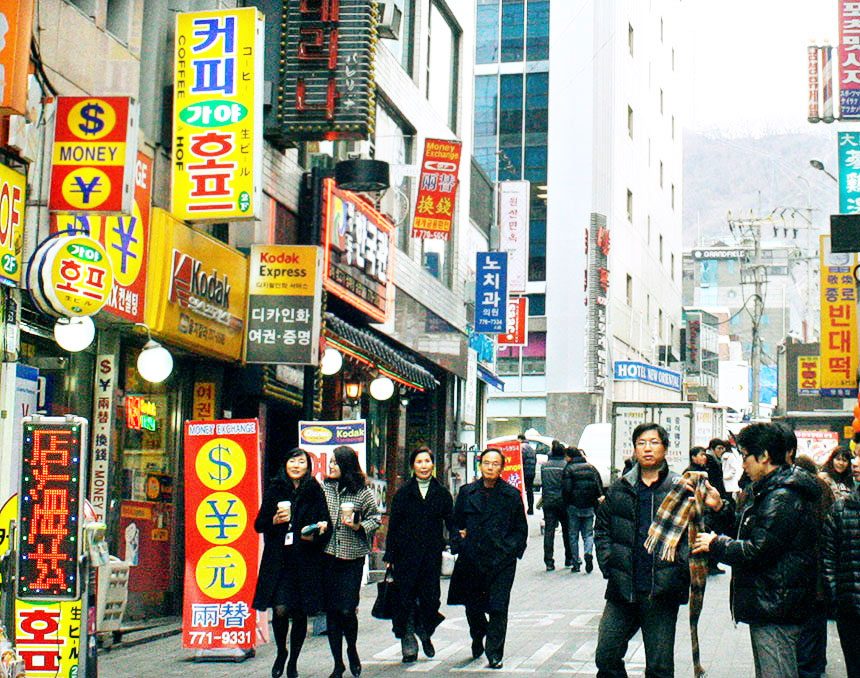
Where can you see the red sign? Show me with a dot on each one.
(513, 471)
(222, 550)
(437, 190)
(517, 323)
(95, 145)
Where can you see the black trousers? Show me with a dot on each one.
(530, 493)
(492, 631)
(552, 517)
(847, 624)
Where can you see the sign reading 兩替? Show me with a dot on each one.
(105, 389)
(222, 550)
(13, 186)
(95, 146)
(284, 303)
(437, 190)
(838, 322)
(491, 292)
(49, 514)
(217, 155)
(514, 212)
(356, 240)
(849, 63)
(325, 88)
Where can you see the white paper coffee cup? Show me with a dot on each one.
(347, 512)
(286, 506)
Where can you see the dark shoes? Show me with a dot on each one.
(530, 512)
(278, 666)
(568, 563)
(427, 646)
(550, 568)
(409, 659)
(477, 648)
(574, 568)
(589, 562)
(495, 663)
(292, 671)
(337, 672)
(354, 661)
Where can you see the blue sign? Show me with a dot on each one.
(849, 172)
(849, 103)
(491, 292)
(483, 345)
(628, 370)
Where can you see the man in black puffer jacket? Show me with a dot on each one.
(643, 591)
(841, 561)
(773, 558)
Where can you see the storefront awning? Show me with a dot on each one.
(489, 377)
(365, 346)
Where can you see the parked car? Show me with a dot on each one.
(542, 445)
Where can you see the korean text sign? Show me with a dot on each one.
(514, 199)
(13, 187)
(849, 172)
(95, 147)
(808, 375)
(437, 190)
(217, 115)
(516, 331)
(849, 58)
(222, 550)
(284, 302)
(491, 292)
(838, 320)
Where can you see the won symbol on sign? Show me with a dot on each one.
(93, 124)
(225, 470)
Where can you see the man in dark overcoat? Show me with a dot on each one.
(490, 534)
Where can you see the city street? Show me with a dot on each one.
(552, 631)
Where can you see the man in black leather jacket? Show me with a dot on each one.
(841, 560)
(643, 591)
(773, 557)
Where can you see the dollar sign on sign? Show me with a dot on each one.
(225, 470)
(91, 113)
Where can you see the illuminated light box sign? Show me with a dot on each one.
(140, 414)
(49, 513)
(325, 85)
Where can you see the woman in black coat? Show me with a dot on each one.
(290, 580)
(414, 545)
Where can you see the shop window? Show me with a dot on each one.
(534, 355)
(118, 19)
(487, 43)
(508, 367)
(513, 29)
(537, 41)
(443, 64)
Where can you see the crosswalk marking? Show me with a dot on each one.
(581, 620)
(543, 653)
(585, 652)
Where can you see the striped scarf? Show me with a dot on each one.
(682, 511)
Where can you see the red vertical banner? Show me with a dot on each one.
(222, 550)
(513, 471)
(517, 323)
(437, 190)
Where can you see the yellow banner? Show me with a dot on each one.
(217, 115)
(13, 186)
(838, 319)
(808, 374)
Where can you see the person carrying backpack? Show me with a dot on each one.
(529, 471)
(581, 490)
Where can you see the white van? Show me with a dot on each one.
(596, 444)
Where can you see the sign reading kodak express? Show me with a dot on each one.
(195, 289)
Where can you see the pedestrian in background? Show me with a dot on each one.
(642, 591)
(554, 507)
(290, 577)
(490, 535)
(354, 517)
(582, 489)
(420, 513)
(733, 469)
(837, 472)
(698, 460)
(529, 470)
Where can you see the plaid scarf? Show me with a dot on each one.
(682, 511)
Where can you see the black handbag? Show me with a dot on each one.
(386, 598)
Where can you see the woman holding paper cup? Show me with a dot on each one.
(293, 519)
(354, 516)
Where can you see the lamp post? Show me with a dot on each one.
(817, 164)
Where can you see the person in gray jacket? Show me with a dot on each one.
(554, 507)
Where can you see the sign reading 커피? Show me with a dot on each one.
(491, 292)
(437, 190)
(217, 115)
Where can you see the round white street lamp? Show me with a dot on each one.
(382, 388)
(154, 362)
(331, 361)
(74, 334)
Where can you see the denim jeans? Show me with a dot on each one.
(581, 521)
(774, 649)
(620, 621)
(553, 517)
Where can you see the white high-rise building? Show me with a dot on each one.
(584, 100)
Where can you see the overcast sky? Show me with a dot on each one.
(748, 62)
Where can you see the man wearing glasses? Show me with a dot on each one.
(642, 591)
(490, 535)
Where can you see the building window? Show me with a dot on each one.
(660, 248)
(534, 355)
(661, 174)
(403, 47)
(487, 44)
(672, 259)
(629, 205)
(630, 38)
(513, 30)
(118, 19)
(394, 142)
(511, 111)
(535, 164)
(537, 304)
(629, 290)
(660, 323)
(661, 29)
(537, 104)
(661, 101)
(88, 7)
(673, 196)
(630, 122)
(443, 64)
(486, 110)
(537, 40)
(673, 127)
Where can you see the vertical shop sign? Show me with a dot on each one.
(217, 155)
(203, 406)
(16, 27)
(597, 244)
(222, 550)
(512, 473)
(437, 190)
(325, 88)
(95, 147)
(849, 172)
(284, 305)
(849, 61)
(814, 88)
(514, 210)
(105, 387)
(13, 186)
(516, 330)
(838, 322)
(808, 375)
(320, 438)
(491, 292)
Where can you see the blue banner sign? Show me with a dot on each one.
(849, 172)
(628, 370)
(491, 292)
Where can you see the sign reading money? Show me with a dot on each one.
(95, 148)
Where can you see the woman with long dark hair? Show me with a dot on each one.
(293, 519)
(837, 472)
(420, 511)
(355, 517)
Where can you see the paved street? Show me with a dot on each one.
(553, 631)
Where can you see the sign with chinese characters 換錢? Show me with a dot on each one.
(105, 393)
(491, 292)
(95, 147)
(356, 241)
(849, 61)
(437, 190)
(514, 213)
(284, 304)
(325, 88)
(222, 550)
(838, 304)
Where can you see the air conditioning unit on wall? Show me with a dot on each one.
(390, 17)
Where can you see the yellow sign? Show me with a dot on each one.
(80, 276)
(808, 374)
(220, 572)
(221, 464)
(13, 186)
(217, 115)
(838, 321)
(196, 289)
(221, 518)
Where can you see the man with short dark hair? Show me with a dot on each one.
(773, 558)
(582, 490)
(643, 591)
(554, 507)
(529, 471)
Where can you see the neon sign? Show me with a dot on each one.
(140, 414)
(49, 510)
